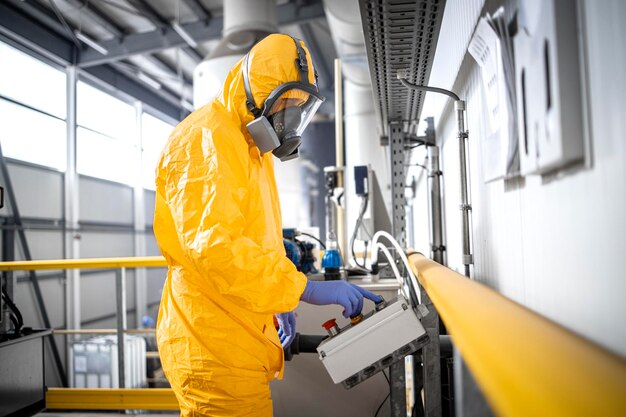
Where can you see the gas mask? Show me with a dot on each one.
(286, 112)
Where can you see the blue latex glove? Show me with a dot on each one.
(287, 328)
(347, 295)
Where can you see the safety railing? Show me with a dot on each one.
(525, 364)
(102, 398)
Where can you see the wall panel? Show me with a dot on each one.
(554, 243)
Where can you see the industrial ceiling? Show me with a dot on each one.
(139, 48)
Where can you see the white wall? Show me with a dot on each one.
(107, 231)
(555, 244)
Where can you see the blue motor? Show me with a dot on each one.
(293, 252)
(299, 252)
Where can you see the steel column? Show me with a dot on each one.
(469, 401)
(8, 254)
(120, 297)
(431, 366)
(397, 374)
(139, 223)
(72, 238)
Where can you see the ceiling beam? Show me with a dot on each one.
(95, 16)
(99, 17)
(200, 31)
(30, 34)
(91, 11)
(36, 37)
(198, 9)
(160, 22)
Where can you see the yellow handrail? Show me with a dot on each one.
(525, 364)
(85, 263)
(110, 399)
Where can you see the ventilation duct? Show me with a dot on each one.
(245, 23)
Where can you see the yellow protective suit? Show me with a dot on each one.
(218, 223)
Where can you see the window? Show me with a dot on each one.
(31, 136)
(101, 156)
(154, 136)
(106, 136)
(103, 113)
(32, 109)
(32, 82)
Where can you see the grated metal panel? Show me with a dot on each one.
(400, 35)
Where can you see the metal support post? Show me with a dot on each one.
(120, 297)
(72, 238)
(139, 220)
(466, 207)
(8, 254)
(431, 365)
(437, 247)
(469, 399)
(397, 374)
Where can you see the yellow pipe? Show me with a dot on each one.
(525, 364)
(85, 263)
(110, 399)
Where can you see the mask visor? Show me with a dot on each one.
(292, 111)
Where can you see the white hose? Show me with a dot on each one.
(395, 243)
(392, 262)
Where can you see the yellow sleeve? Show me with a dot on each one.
(205, 188)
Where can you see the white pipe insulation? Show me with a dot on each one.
(245, 23)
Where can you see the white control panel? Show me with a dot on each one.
(379, 339)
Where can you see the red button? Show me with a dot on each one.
(330, 324)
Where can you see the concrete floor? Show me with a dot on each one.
(102, 414)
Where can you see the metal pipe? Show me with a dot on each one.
(437, 249)
(120, 296)
(466, 207)
(462, 135)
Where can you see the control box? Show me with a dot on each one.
(382, 337)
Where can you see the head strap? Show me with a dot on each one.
(303, 68)
(246, 86)
(301, 62)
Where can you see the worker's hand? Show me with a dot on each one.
(347, 295)
(287, 328)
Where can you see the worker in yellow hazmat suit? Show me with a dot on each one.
(218, 223)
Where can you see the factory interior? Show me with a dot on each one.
(466, 163)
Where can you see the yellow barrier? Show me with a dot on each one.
(110, 399)
(525, 364)
(102, 398)
(85, 263)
